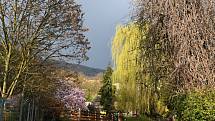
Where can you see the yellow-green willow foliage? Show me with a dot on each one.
(134, 92)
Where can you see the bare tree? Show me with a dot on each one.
(33, 31)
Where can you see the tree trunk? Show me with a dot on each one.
(32, 110)
(21, 104)
(35, 114)
(29, 108)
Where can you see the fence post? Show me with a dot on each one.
(79, 115)
(2, 108)
(88, 115)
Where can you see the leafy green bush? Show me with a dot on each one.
(195, 106)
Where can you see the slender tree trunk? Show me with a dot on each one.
(35, 114)
(22, 103)
(29, 108)
(42, 115)
(32, 110)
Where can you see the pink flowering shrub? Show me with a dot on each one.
(71, 97)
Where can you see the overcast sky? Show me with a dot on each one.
(101, 17)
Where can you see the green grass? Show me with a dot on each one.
(142, 118)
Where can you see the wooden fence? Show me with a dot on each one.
(8, 116)
(75, 116)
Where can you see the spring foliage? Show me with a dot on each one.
(169, 51)
(126, 56)
(198, 105)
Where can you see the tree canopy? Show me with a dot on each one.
(32, 32)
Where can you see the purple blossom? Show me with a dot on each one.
(71, 97)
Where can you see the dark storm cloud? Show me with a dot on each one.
(101, 16)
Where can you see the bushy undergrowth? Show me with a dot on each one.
(195, 106)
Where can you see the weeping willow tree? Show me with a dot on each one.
(125, 54)
(136, 86)
(185, 31)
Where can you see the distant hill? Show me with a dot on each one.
(87, 71)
